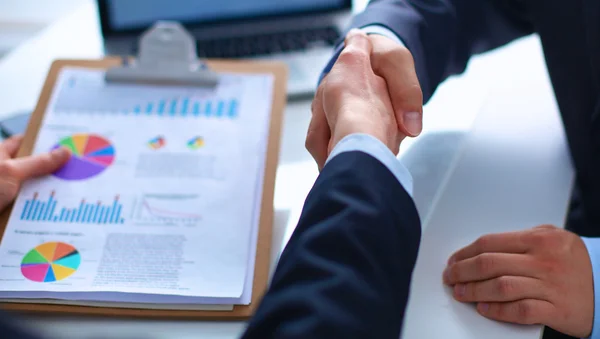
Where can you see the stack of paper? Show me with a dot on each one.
(158, 206)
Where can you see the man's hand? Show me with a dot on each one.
(14, 171)
(351, 99)
(393, 64)
(538, 276)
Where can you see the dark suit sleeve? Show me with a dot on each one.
(9, 329)
(443, 34)
(346, 270)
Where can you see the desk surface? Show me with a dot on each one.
(513, 173)
(448, 116)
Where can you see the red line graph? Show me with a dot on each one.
(162, 213)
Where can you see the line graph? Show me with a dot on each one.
(168, 214)
(168, 208)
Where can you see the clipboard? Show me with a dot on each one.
(201, 76)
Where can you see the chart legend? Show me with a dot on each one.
(157, 143)
(86, 213)
(91, 155)
(51, 261)
(195, 143)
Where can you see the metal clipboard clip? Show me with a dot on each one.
(167, 56)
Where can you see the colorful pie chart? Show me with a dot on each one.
(51, 261)
(195, 143)
(91, 155)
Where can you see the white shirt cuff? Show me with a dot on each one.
(381, 30)
(593, 248)
(375, 148)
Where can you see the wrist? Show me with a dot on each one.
(351, 123)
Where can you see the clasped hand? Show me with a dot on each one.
(355, 97)
(538, 276)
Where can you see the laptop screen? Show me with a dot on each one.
(123, 15)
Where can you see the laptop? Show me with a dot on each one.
(302, 33)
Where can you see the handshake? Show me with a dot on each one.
(372, 89)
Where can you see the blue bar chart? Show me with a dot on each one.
(37, 210)
(87, 93)
(176, 107)
(188, 107)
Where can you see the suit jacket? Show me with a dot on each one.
(9, 330)
(443, 34)
(346, 270)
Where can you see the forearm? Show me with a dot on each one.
(10, 330)
(345, 272)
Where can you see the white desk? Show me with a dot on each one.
(448, 115)
(513, 173)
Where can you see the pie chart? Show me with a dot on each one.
(91, 155)
(49, 262)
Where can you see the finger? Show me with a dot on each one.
(501, 289)
(40, 164)
(10, 147)
(357, 39)
(490, 265)
(395, 64)
(510, 242)
(525, 312)
(354, 61)
(545, 228)
(319, 134)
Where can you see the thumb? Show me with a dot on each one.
(40, 164)
(395, 64)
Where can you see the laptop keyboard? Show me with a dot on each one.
(243, 47)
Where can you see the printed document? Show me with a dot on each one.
(159, 202)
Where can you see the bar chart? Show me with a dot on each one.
(87, 93)
(37, 210)
(132, 101)
(188, 107)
